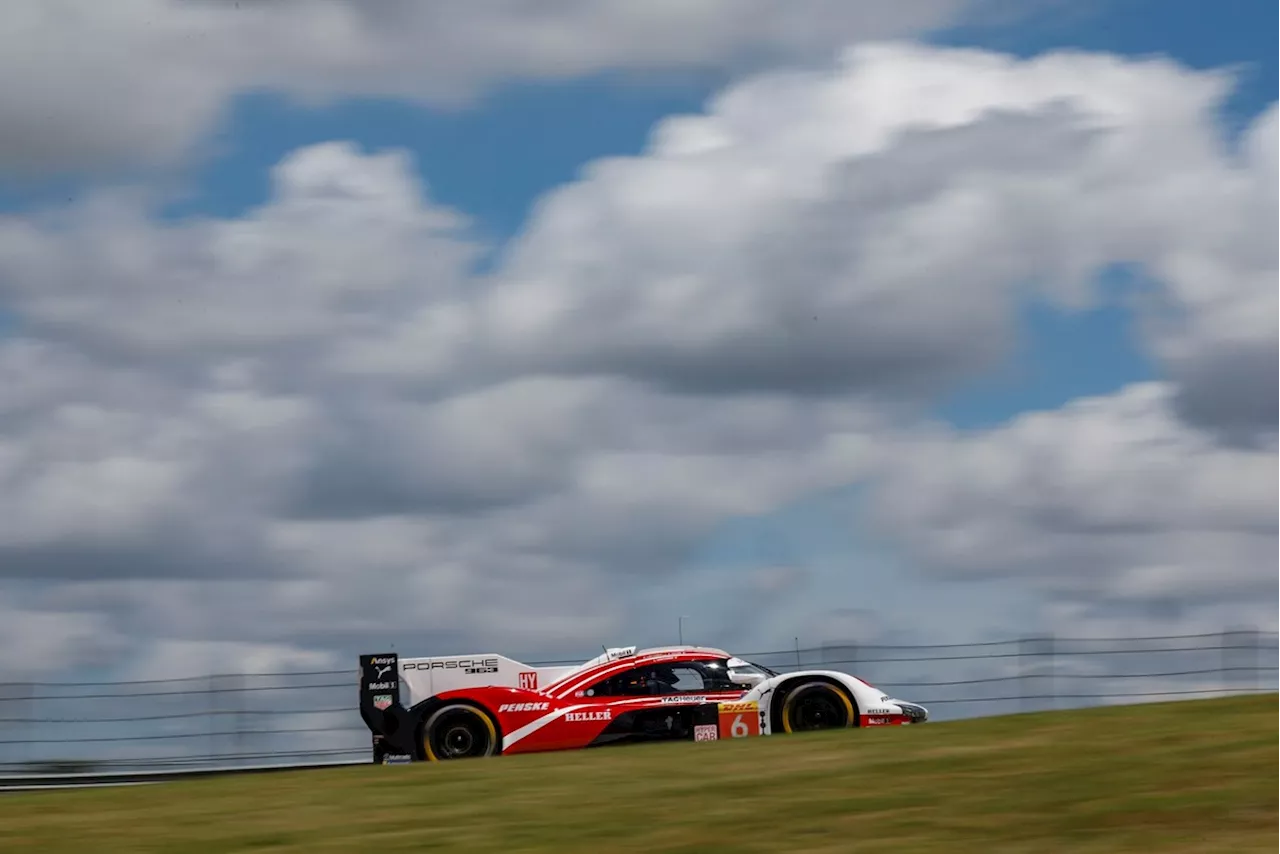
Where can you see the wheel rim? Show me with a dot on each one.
(458, 741)
(818, 710)
(459, 732)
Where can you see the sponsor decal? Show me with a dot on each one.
(738, 720)
(706, 732)
(396, 759)
(880, 721)
(881, 712)
(523, 707)
(379, 673)
(467, 665)
(529, 680)
(382, 701)
(748, 706)
(603, 715)
(684, 699)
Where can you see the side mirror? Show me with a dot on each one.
(748, 679)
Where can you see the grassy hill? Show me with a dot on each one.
(1195, 776)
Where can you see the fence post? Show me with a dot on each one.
(1255, 660)
(32, 696)
(1224, 644)
(212, 708)
(1051, 652)
(1030, 649)
(1023, 658)
(237, 697)
(1248, 661)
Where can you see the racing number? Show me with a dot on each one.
(738, 720)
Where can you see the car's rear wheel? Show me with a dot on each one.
(459, 731)
(817, 705)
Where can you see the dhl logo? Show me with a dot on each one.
(733, 708)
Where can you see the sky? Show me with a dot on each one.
(532, 327)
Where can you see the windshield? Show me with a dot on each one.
(738, 665)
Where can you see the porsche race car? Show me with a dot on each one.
(454, 707)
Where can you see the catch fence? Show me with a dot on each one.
(311, 716)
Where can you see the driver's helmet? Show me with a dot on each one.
(740, 671)
(663, 679)
(637, 683)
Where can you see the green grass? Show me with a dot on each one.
(1173, 777)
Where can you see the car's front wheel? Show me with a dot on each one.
(817, 705)
(459, 731)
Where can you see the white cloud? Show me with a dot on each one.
(139, 82)
(871, 227)
(312, 424)
(345, 246)
(1216, 326)
(1110, 504)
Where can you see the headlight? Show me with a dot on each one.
(918, 714)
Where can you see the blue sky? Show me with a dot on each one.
(495, 159)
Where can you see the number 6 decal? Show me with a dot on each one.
(738, 720)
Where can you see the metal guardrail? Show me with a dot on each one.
(90, 780)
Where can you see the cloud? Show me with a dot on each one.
(870, 229)
(169, 449)
(1110, 506)
(138, 83)
(1216, 327)
(315, 425)
(346, 244)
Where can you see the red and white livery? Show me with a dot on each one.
(451, 707)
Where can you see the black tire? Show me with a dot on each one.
(459, 731)
(815, 706)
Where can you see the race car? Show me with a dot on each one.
(454, 707)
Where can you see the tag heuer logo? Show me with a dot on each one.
(382, 701)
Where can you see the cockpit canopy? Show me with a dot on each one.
(682, 677)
